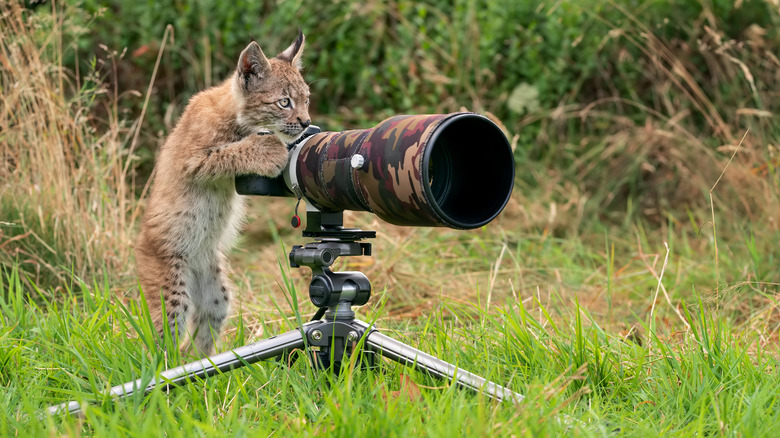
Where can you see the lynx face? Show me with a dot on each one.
(271, 93)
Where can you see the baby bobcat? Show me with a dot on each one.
(194, 213)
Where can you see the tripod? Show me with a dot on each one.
(332, 336)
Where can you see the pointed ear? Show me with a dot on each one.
(293, 54)
(253, 61)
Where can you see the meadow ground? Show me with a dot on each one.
(629, 288)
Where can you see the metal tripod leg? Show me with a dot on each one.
(406, 355)
(220, 363)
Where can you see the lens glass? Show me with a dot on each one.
(470, 171)
(440, 172)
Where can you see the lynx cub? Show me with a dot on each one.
(194, 214)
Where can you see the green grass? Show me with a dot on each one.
(580, 375)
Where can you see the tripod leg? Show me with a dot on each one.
(406, 355)
(219, 363)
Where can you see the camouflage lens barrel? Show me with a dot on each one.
(454, 170)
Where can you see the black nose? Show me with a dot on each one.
(304, 123)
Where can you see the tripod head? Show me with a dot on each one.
(335, 291)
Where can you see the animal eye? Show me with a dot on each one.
(307, 101)
(284, 103)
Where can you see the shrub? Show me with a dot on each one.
(575, 81)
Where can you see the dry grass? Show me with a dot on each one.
(653, 149)
(65, 197)
(67, 202)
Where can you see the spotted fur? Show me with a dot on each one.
(194, 214)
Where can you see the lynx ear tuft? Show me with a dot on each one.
(253, 61)
(293, 54)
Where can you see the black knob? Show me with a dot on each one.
(320, 291)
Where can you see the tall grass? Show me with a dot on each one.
(679, 98)
(578, 378)
(65, 197)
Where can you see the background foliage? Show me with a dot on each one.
(562, 76)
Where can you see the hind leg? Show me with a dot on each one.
(212, 308)
(178, 309)
(168, 283)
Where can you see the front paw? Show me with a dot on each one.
(276, 158)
